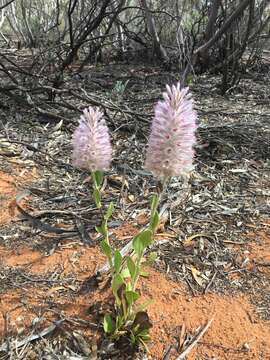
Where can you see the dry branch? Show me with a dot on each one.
(238, 11)
(195, 341)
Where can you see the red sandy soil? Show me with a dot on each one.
(259, 247)
(173, 312)
(9, 188)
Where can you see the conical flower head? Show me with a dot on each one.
(170, 147)
(91, 142)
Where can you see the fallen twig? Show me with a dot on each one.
(195, 341)
(210, 282)
(17, 344)
(36, 223)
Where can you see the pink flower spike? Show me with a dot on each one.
(170, 146)
(91, 142)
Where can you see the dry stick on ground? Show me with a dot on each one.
(195, 341)
(210, 282)
(31, 338)
(36, 223)
(108, 104)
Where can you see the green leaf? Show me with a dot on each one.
(128, 286)
(131, 267)
(125, 273)
(154, 221)
(119, 321)
(144, 332)
(117, 281)
(117, 261)
(154, 204)
(100, 229)
(106, 249)
(144, 274)
(98, 178)
(97, 198)
(132, 338)
(108, 324)
(144, 335)
(131, 297)
(109, 211)
(141, 241)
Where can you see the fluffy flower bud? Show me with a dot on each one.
(91, 142)
(170, 147)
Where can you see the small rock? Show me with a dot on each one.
(246, 347)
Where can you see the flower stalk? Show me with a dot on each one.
(169, 153)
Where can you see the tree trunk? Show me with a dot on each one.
(212, 20)
(227, 23)
(31, 39)
(150, 23)
(121, 47)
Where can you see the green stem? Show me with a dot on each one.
(137, 273)
(96, 191)
(97, 198)
(163, 187)
(160, 193)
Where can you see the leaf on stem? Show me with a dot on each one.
(144, 337)
(117, 261)
(106, 249)
(108, 324)
(125, 273)
(144, 274)
(154, 221)
(97, 197)
(131, 297)
(117, 281)
(102, 228)
(109, 211)
(141, 241)
(98, 178)
(131, 267)
(154, 204)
